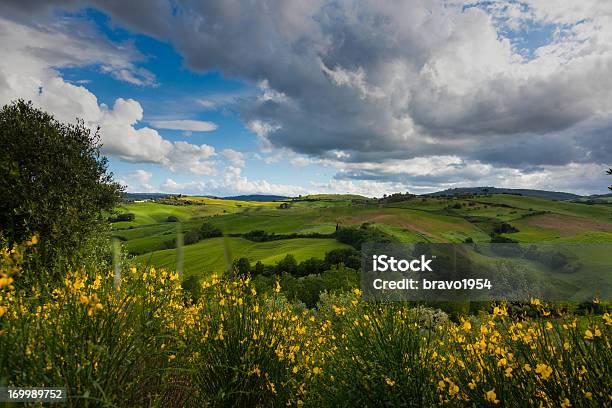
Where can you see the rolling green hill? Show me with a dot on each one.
(211, 255)
(418, 219)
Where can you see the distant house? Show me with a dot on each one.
(140, 201)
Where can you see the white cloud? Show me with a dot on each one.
(206, 103)
(135, 76)
(232, 182)
(138, 181)
(262, 130)
(192, 158)
(354, 79)
(185, 124)
(301, 161)
(142, 176)
(68, 43)
(234, 156)
(27, 70)
(191, 187)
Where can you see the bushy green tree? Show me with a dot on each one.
(53, 182)
(287, 264)
(208, 230)
(191, 237)
(242, 267)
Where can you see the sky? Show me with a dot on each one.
(288, 97)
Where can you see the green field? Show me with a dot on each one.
(418, 219)
(213, 254)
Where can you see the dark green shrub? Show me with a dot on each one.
(191, 237)
(208, 230)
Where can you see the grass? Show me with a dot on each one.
(415, 220)
(597, 212)
(210, 255)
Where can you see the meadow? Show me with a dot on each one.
(418, 219)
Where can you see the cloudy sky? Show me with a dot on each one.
(293, 97)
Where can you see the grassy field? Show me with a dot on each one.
(213, 254)
(420, 219)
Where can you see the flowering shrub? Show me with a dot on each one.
(146, 343)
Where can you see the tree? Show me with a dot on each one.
(208, 230)
(610, 173)
(53, 182)
(191, 237)
(287, 264)
(259, 268)
(242, 267)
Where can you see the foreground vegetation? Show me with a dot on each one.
(143, 341)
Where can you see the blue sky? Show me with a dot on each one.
(328, 96)
(176, 95)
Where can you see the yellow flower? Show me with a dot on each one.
(2, 310)
(84, 299)
(535, 302)
(509, 372)
(588, 334)
(588, 395)
(389, 381)
(278, 287)
(472, 385)
(549, 326)
(566, 403)
(544, 370)
(490, 396)
(272, 387)
(5, 281)
(467, 326)
(317, 370)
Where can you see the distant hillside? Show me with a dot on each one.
(601, 196)
(257, 197)
(551, 195)
(334, 197)
(143, 196)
